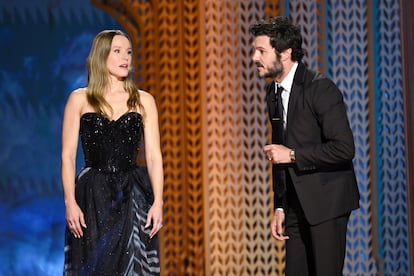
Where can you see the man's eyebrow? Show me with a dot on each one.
(261, 48)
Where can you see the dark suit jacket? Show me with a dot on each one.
(318, 129)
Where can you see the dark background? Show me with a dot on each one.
(43, 51)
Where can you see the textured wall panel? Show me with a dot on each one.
(194, 118)
(305, 13)
(239, 190)
(225, 182)
(392, 198)
(170, 104)
(348, 67)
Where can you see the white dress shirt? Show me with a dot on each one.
(287, 87)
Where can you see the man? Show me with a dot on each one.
(312, 149)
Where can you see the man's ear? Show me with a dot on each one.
(286, 54)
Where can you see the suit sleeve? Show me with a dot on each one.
(332, 143)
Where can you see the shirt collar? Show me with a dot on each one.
(288, 81)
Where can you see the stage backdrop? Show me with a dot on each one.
(194, 57)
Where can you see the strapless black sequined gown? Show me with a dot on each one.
(115, 195)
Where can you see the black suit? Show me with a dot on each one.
(321, 183)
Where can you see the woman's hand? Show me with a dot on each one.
(154, 216)
(75, 219)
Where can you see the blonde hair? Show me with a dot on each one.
(98, 75)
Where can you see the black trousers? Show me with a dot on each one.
(313, 250)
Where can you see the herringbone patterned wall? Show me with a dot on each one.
(194, 57)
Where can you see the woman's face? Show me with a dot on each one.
(120, 57)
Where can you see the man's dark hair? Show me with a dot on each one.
(283, 35)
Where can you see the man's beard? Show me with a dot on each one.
(275, 71)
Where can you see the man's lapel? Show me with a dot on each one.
(296, 92)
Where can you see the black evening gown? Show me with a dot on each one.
(115, 195)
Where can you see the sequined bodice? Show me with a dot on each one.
(111, 146)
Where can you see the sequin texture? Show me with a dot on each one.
(115, 195)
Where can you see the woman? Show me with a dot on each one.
(114, 210)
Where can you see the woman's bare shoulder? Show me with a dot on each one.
(145, 95)
(147, 99)
(78, 98)
(79, 92)
(148, 102)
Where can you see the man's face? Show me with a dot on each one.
(264, 56)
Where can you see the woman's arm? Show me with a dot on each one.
(70, 132)
(153, 158)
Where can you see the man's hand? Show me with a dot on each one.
(278, 154)
(277, 225)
